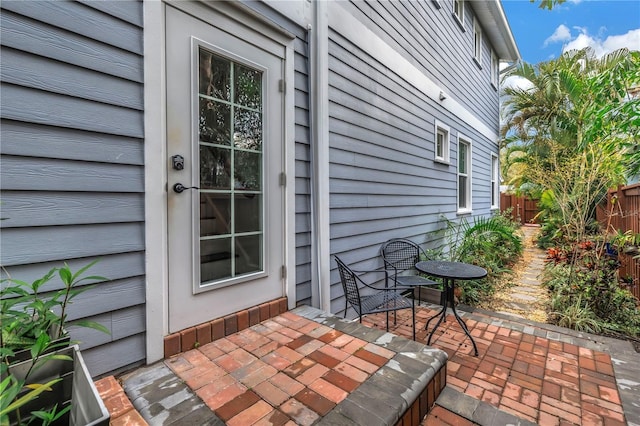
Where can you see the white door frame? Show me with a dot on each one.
(157, 285)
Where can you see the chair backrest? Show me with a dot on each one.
(349, 283)
(400, 253)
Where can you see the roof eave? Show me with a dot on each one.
(496, 28)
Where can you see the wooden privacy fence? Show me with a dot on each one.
(523, 209)
(621, 213)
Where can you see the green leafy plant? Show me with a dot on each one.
(36, 322)
(26, 313)
(490, 242)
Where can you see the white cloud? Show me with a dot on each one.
(630, 40)
(561, 34)
(517, 82)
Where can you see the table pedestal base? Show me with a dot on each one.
(449, 298)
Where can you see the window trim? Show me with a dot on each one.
(459, 17)
(495, 181)
(446, 149)
(495, 65)
(463, 140)
(477, 42)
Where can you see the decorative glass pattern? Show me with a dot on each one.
(230, 123)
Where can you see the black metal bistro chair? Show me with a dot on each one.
(400, 256)
(387, 299)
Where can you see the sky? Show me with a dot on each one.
(605, 25)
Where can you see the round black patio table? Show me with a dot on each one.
(449, 272)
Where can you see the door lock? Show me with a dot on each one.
(179, 188)
(177, 161)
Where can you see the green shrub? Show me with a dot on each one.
(587, 296)
(493, 243)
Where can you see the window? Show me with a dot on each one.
(441, 143)
(494, 69)
(477, 42)
(231, 205)
(464, 174)
(495, 182)
(458, 12)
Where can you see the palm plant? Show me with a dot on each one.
(571, 130)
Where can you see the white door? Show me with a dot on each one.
(225, 141)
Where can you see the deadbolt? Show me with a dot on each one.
(177, 161)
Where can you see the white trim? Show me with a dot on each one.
(494, 72)
(446, 148)
(495, 173)
(477, 46)
(358, 34)
(289, 218)
(462, 139)
(155, 173)
(459, 17)
(324, 13)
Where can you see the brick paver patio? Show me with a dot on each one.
(544, 381)
(291, 370)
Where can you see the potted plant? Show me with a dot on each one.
(43, 376)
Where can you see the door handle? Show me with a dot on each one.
(178, 187)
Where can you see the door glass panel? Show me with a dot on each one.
(215, 259)
(248, 84)
(215, 122)
(215, 214)
(215, 167)
(215, 76)
(231, 174)
(248, 254)
(248, 209)
(247, 129)
(247, 171)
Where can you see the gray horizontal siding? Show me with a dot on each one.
(43, 244)
(36, 72)
(384, 182)
(71, 172)
(26, 208)
(35, 106)
(28, 139)
(432, 40)
(39, 38)
(32, 173)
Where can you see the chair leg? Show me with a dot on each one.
(413, 315)
(388, 320)
(346, 306)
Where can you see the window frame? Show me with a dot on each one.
(459, 17)
(446, 148)
(468, 208)
(495, 181)
(495, 69)
(477, 43)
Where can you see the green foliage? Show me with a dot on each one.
(577, 109)
(26, 313)
(492, 243)
(36, 321)
(578, 317)
(585, 295)
(548, 4)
